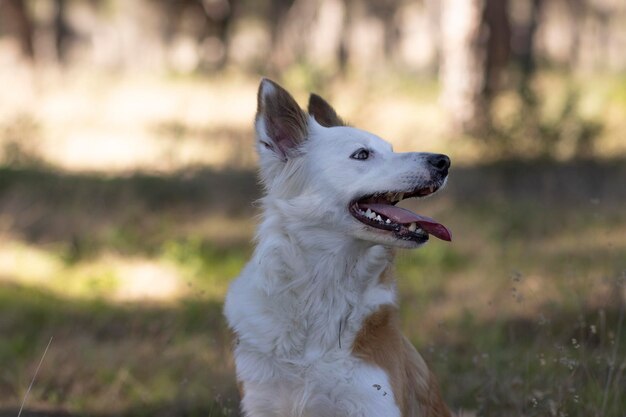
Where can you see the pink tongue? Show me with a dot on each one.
(400, 215)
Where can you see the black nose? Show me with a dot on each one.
(440, 163)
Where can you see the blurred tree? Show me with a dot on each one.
(315, 32)
(386, 11)
(477, 53)
(208, 22)
(290, 33)
(576, 9)
(524, 45)
(17, 15)
(497, 31)
(489, 46)
(330, 34)
(462, 69)
(277, 13)
(219, 15)
(62, 30)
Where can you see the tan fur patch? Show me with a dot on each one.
(435, 407)
(240, 389)
(381, 343)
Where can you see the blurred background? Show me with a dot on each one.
(127, 189)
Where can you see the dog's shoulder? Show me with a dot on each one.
(381, 343)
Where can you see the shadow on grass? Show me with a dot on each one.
(164, 410)
(114, 359)
(565, 360)
(134, 214)
(155, 360)
(149, 359)
(42, 205)
(545, 181)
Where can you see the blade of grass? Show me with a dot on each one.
(19, 413)
(613, 359)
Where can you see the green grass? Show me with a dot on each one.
(518, 315)
(109, 358)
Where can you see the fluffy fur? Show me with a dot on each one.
(314, 311)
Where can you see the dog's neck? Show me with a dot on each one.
(295, 255)
(331, 280)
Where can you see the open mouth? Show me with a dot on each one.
(380, 212)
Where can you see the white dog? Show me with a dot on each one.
(314, 311)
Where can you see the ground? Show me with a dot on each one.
(125, 267)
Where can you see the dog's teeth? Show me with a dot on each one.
(387, 221)
(379, 218)
(412, 227)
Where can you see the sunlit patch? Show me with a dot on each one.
(109, 276)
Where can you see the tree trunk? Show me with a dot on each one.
(62, 30)
(312, 31)
(463, 64)
(19, 15)
(293, 32)
(498, 45)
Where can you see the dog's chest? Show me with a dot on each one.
(321, 317)
(295, 350)
(326, 387)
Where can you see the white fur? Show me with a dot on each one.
(314, 277)
(291, 315)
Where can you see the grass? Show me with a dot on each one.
(518, 316)
(114, 359)
(127, 264)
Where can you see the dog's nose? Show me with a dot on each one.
(440, 162)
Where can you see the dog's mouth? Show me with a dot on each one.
(380, 212)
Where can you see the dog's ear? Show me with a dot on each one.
(323, 112)
(281, 124)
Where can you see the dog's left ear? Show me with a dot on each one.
(281, 124)
(323, 112)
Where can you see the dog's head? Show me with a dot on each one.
(321, 174)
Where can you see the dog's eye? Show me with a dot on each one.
(361, 154)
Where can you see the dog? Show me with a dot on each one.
(314, 311)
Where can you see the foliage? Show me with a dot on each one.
(542, 121)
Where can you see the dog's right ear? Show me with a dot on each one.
(281, 124)
(323, 112)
